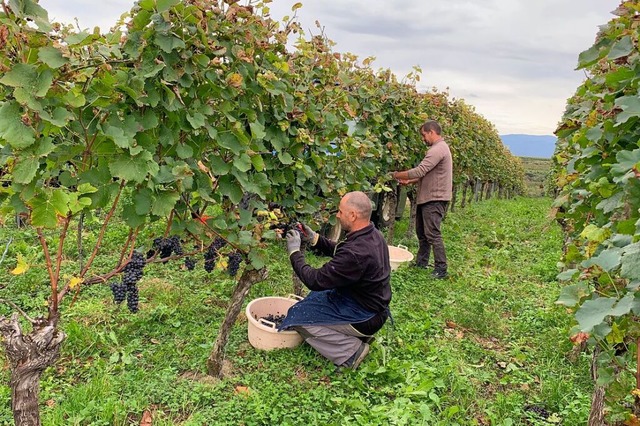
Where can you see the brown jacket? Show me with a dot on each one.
(435, 172)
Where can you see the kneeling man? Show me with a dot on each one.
(350, 294)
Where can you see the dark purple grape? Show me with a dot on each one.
(233, 263)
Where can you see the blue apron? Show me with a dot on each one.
(328, 307)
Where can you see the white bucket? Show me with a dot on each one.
(263, 333)
(399, 255)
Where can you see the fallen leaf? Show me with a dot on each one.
(50, 403)
(242, 390)
(21, 267)
(146, 419)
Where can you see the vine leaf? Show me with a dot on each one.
(52, 57)
(607, 260)
(631, 262)
(593, 312)
(47, 206)
(12, 129)
(571, 295)
(630, 108)
(621, 48)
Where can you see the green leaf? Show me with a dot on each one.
(627, 160)
(60, 117)
(589, 56)
(229, 187)
(567, 275)
(257, 162)
(229, 141)
(169, 43)
(131, 218)
(45, 208)
(219, 167)
(133, 168)
(621, 48)
(571, 295)
(184, 151)
(52, 57)
(242, 163)
(82, 37)
(624, 305)
(285, 158)
(25, 170)
(12, 130)
(143, 199)
(164, 203)
(74, 99)
(607, 260)
(164, 5)
(631, 262)
(196, 120)
(594, 312)
(257, 259)
(21, 75)
(257, 130)
(630, 106)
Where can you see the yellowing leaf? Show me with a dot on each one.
(75, 282)
(22, 266)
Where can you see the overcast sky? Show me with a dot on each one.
(514, 60)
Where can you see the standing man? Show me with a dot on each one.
(350, 294)
(434, 176)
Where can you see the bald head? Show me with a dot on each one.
(360, 203)
(354, 211)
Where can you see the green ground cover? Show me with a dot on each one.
(536, 175)
(487, 346)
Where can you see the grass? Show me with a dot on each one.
(536, 171)
(480, 348)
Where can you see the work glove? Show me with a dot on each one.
(293, 241)
(307, 234)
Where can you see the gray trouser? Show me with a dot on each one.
(428, 219)
(337, 343)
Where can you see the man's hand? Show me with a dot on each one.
(307, 234)
(293, 241)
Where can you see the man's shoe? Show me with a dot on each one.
(419, 265)
(368, 339)
(440, 274)
(356, 359)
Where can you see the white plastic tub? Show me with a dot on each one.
(263, 333)
(399, 255)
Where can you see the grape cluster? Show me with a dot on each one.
(211, 254)
(119, 292)
(276, 319)
(537, 411)
(189, 263)
(282, 228)
(132, 273)
(166, 246)
(233, 263)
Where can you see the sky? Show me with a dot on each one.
(513, 60)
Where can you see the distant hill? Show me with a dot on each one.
(530, 145)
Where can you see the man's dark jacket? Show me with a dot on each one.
(359, 268)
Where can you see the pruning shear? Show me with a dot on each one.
(300, 228)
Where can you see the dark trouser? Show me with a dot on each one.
(339, 342)
(428, 219)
